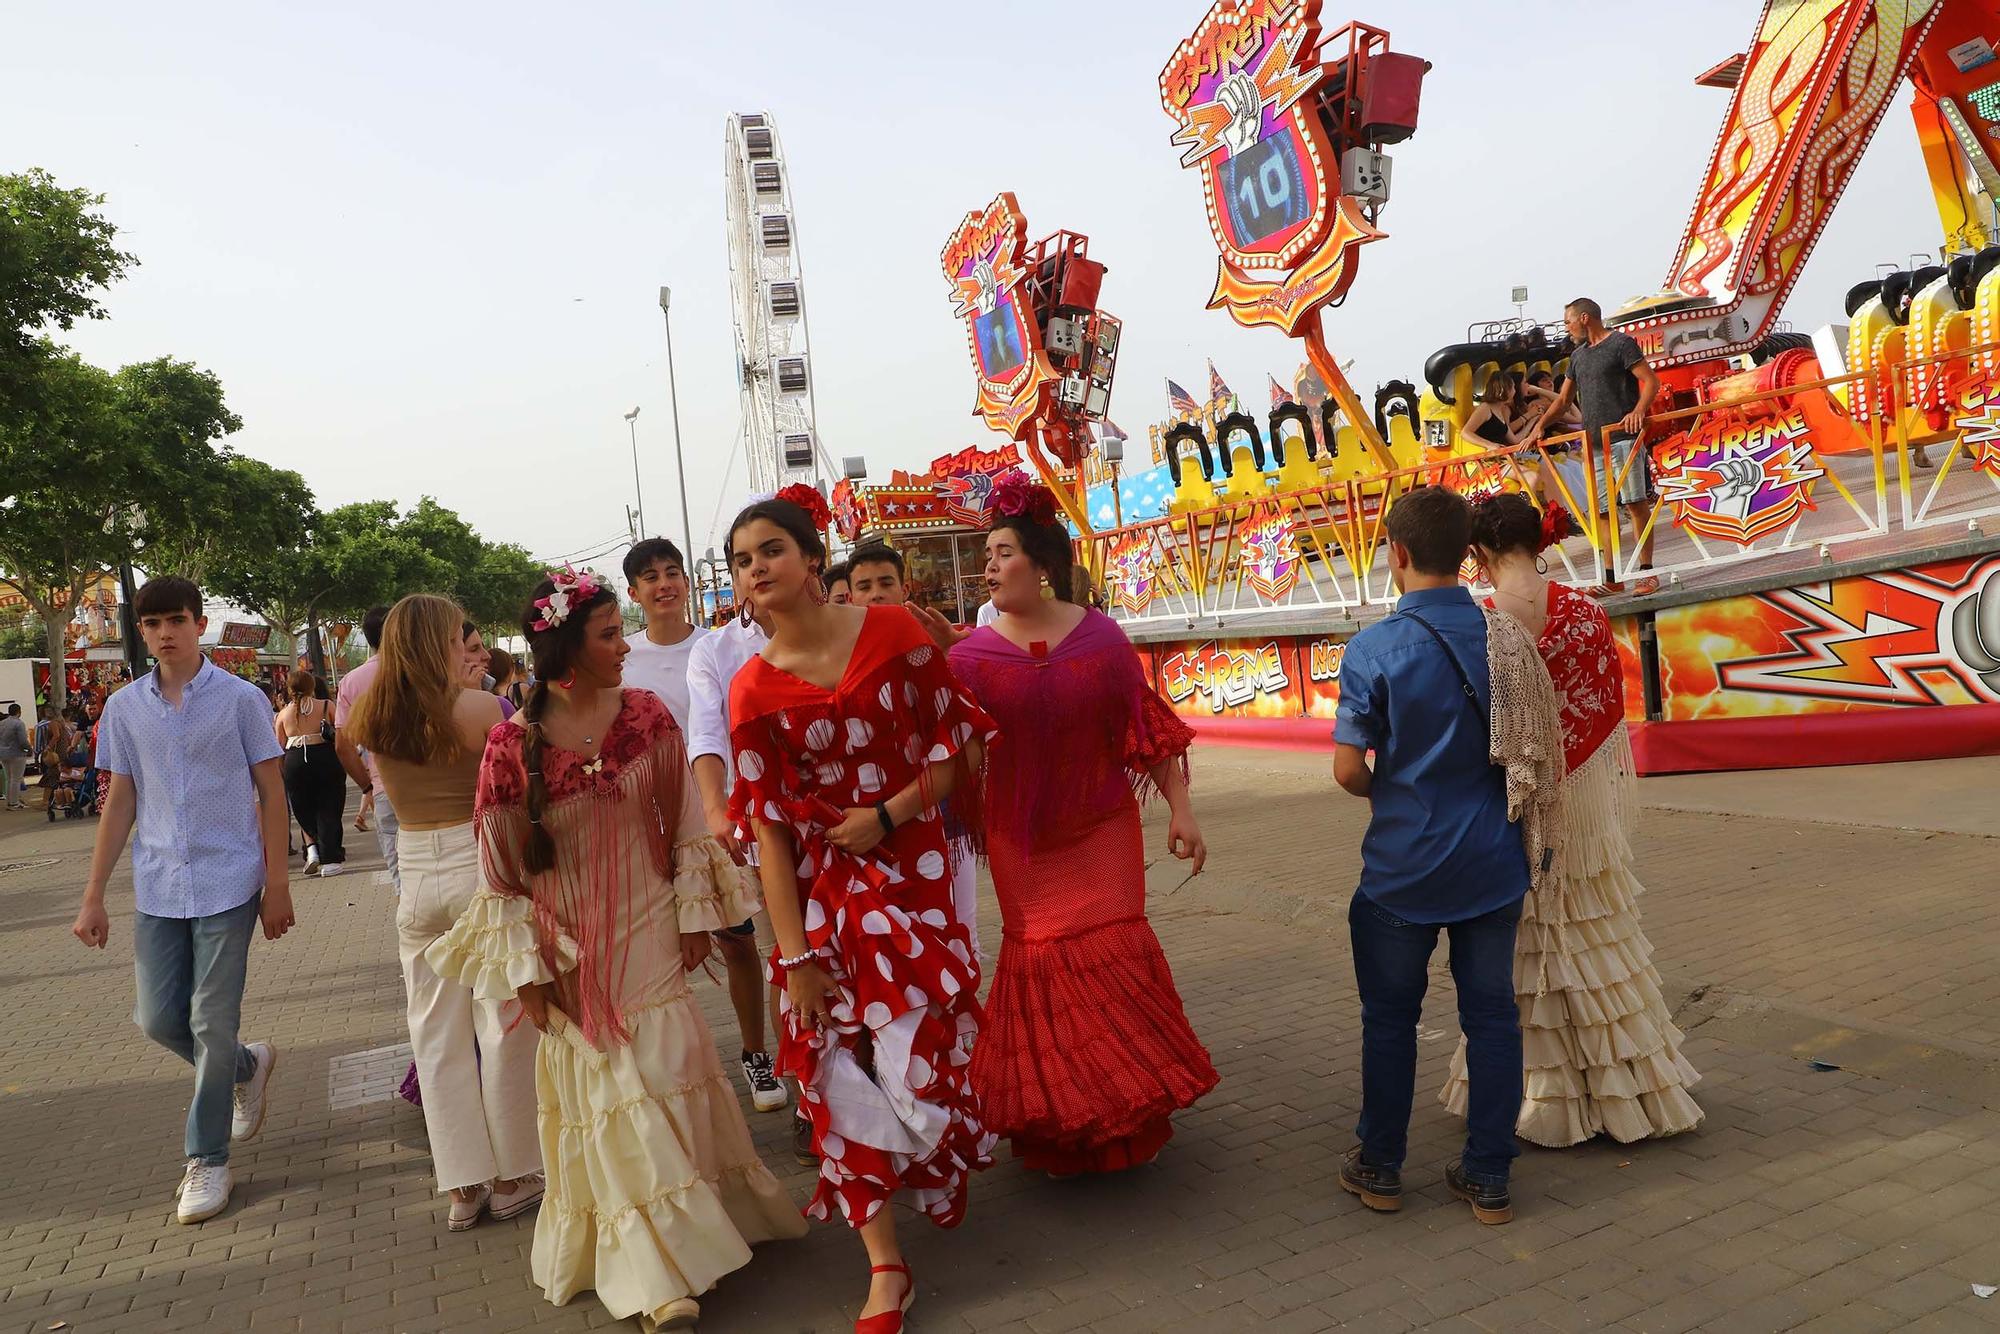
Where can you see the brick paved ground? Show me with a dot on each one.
(1850, 1199)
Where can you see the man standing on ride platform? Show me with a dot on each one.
(1611, 382)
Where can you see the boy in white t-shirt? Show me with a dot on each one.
(656, 579)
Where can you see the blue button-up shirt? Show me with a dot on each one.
(196, 847)
(1439, 846)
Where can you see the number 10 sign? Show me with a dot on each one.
(1239, 91)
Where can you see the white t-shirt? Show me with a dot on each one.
(710, 674)
(988, 613)
(663, 669)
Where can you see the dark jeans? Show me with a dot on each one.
(190, 979)
(317, 786)
(1392, 969)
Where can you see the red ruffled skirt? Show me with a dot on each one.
(1085, 1050)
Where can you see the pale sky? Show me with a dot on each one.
(422, 244)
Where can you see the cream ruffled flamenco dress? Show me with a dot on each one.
(655, 1190)
(1599, 1046)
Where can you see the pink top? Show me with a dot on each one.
(351, 688)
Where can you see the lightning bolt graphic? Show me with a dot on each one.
(1862, 640)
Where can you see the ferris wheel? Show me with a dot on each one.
(774, 364)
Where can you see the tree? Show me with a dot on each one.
(100, 461)
(495, 591)
(348, 560)
(56, 252)
(270, 511)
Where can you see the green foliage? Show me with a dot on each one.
(23, 637)
(497, 589)
(56, 253)
(239, 514)
(98, 467)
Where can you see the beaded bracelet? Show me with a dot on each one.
(797, 961)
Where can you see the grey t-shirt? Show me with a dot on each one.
(13, 737)
(1606, 389)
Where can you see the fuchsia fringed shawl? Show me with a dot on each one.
(1081, 729)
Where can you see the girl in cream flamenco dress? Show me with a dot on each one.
(1599, 1045)
(601, 886)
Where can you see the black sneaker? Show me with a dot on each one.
(1490, 1203)
(766, 1093)
(802, 1142)
(1380, 1188)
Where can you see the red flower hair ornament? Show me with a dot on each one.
(811, 501)
(1015, 496)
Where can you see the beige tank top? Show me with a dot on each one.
(431, 796)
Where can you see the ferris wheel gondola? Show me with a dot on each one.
(774, 361)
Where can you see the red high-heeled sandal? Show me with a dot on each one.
(889, 1322)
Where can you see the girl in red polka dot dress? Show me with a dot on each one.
(848, 730)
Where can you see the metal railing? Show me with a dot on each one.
(1321, 550)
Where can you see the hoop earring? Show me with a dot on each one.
(816, 590)
(567, 683)
(744, 617)
(1541, 564)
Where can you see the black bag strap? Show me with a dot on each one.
(1464, 681)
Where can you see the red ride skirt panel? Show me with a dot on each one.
(1086, 1050)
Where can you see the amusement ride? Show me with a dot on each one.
(1827, 588)
(767, 287)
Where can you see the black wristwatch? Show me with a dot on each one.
(888, 821)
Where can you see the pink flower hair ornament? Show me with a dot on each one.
(1016, 495)
(572, 589)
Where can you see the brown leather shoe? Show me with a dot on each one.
(1380, 1188)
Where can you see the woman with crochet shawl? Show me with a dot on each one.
(1600, 1050)
(1087, 1051)
(602, 885)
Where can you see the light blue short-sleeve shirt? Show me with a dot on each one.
(196, 846)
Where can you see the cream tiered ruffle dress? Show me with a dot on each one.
(655, 1190)
(1600, 1051)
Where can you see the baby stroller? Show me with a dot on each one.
(75, 792)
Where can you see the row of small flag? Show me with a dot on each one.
(1180, 403)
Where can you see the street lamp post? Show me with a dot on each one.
(632, 421)
(680, 465)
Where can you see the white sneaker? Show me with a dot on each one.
(247, 1115)
(767, 1094)
(332, 869)
(312, 857)
(204, 1191)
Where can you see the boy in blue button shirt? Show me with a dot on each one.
(1440, 855)
(191, 760)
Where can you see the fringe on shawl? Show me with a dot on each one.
(1526, 730)
(587, 897)
(1082, 730)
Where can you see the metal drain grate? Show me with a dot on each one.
(362, 1077)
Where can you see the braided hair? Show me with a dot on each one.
(555, 654)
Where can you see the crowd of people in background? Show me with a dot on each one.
(803, 794)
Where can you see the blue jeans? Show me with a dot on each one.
(190, 974)
(1392, 969)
